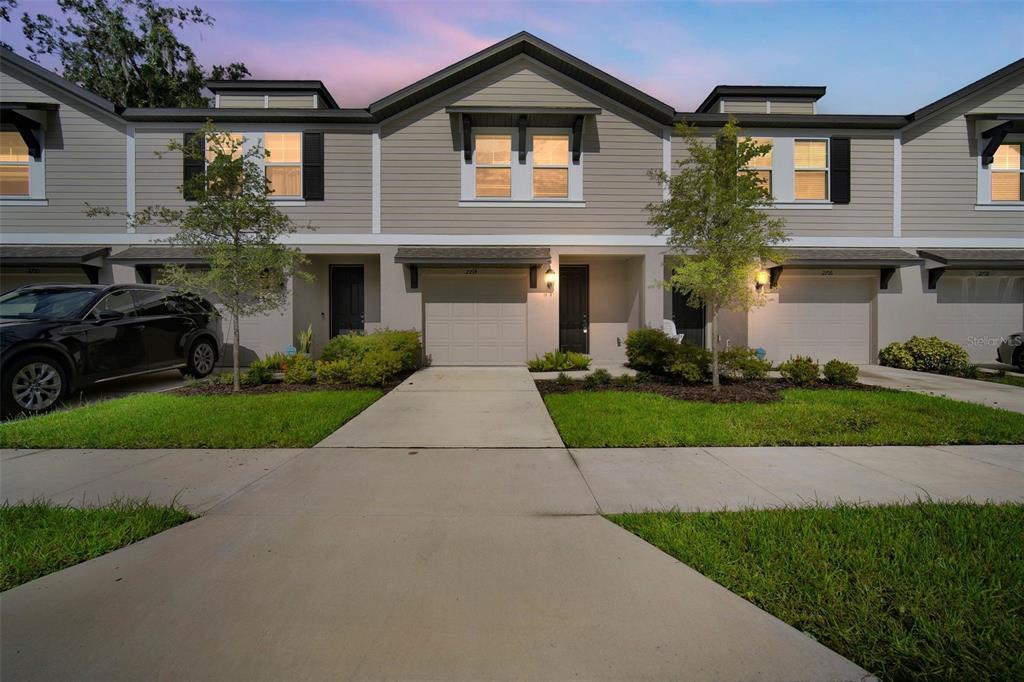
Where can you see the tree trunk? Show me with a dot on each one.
(714, 348)
(236, 384)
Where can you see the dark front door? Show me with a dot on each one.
(346, 299)
(689, 320)
(574, 308)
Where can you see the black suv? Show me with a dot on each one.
(59, 337)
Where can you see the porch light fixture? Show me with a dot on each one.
(761, 279)
(549, 277)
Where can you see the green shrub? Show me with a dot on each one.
(405, 345)
(689, 364)
(742, 362)
(275, 362)
(896, 355)
(558, 361)
(841, 373)
(799, 371)
(650, 350)
(224, 378)
(685, 372)
(599, 377)
(563, 379)
(299, 371)
(376, 368)
(332, 372)
(932, 354)
(624, 381)
(258, 373)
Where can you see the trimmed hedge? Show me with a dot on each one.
(927, 354)
(800, 371)
(841, 373)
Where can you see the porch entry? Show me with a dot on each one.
(347, 300)
(574, 308)
(690, 321)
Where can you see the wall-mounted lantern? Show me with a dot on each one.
(761, 279)
(550, 276)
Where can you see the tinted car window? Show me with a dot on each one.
(154, 303)
(118, 302)
(45, 304)
(189, 306)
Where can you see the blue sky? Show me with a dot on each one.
(890, 57)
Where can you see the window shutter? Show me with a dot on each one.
(191, 168)
(840, 167)
(313, 166)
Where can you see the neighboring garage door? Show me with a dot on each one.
(475, 316)
(823, 317)
(12, 277)
(977, 312)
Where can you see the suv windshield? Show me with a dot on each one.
(45, 304)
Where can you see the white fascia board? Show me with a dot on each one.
(394, 238)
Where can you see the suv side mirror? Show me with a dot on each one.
(108, 315)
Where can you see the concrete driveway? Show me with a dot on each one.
(969, 390)
(455, 407)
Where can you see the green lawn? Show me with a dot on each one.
(1008, 379)
(920, 592)
(801, 417)
(40, 538)
(161, 420)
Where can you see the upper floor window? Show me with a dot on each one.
(284, 163)
(810, 170)
(494, 166)
(500, 172)
(14, 165)
(1008, 173)
(551, 166)
(762, 165)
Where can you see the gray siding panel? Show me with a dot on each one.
(85, 161)
(347, 181)
(230, 101)
(421, 163)
(744, 106)
(786, 107)
(291, 101)
(940, 173)
(869, 213)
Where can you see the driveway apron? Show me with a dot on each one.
(455, 407)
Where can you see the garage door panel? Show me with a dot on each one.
(476, 319)
(823, 318)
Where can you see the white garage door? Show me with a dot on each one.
(977, 312)
(824, 318)
(475, 317)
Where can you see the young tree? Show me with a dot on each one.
(715, 225)
(127, 50)
(233, 226)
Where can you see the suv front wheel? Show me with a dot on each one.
(33, 384)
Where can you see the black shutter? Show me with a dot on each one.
(839, 190)
(313, 166)
(191, 167)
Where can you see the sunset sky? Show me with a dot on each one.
(874, 57)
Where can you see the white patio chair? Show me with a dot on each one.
(669, 327)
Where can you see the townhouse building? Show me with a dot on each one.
(498, 206)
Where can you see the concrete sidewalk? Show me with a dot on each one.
(987, 393)
(455, 407)
(691, 479)
(395, 564)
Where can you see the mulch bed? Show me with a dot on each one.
(756, 391)
(211, 387)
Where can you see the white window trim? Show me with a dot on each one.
(985, 202)
(36, 178)
(784, 168)
(522, 174)
(291, 198)
(827, 169)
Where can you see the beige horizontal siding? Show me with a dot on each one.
(85, 161)
(347, 182)
(421, 163)
(869, 213)
(744, 106)
(291, 101)
(241, 101)
(940, 173)
(792, 107)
